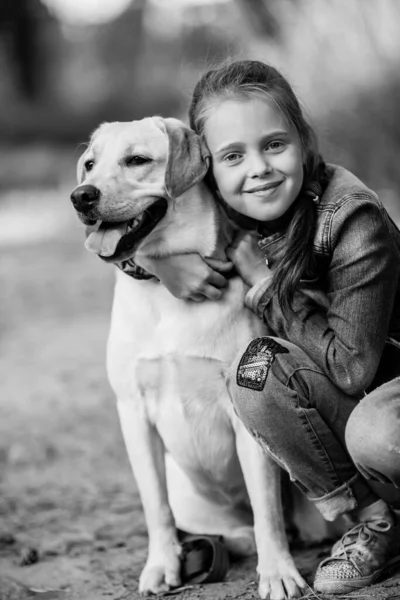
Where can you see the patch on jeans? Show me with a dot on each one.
(255, 363)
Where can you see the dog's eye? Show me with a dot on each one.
(135, 161)
(89, 165)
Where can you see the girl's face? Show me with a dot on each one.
(257, 158)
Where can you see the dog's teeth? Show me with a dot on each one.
(136, 220)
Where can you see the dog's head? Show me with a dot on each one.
(129, 176)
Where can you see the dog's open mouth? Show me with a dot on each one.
(118, 241)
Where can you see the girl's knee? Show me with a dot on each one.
(256, 379)
(373, 431)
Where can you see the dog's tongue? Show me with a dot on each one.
(104, 241)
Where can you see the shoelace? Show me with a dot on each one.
(361, 532)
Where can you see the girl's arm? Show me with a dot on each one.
(189, 276)
(346, 338)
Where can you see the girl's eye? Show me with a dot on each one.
(275, 146)
(89, 165)
(136, 161)
(232, 157)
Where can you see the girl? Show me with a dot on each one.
(322, 261)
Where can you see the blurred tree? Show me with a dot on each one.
(121, 42)
(20, 27)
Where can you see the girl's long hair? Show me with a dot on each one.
(249, 79)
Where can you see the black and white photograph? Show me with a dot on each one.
(199, 299)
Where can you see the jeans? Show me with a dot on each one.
(336, 448)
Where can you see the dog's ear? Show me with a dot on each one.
(188, 157)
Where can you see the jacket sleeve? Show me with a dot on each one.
(346, 337)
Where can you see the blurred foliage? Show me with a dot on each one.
(131, 67)
(342, 57)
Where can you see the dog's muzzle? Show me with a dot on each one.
(119, 240)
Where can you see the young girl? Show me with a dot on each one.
(322, 261)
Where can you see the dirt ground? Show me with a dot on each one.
(71, 523)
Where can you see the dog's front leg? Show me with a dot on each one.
(279, 577)
(146, 455)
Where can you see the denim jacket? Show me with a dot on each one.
(357, 249)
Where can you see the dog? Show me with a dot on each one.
(142, 191)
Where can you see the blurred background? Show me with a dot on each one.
(66, 66)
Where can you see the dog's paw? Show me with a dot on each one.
(280, 580)
(162, 570)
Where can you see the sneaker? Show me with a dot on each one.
(359, 558)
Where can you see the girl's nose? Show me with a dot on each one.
(259, 166)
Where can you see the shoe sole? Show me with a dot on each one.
(345, 586)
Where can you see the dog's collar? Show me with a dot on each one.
(133, 270)
(129, 267)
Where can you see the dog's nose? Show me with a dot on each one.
(85, 197)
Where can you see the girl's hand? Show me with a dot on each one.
(248, 258)
(188, 276)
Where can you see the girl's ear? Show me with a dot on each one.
(188, 157)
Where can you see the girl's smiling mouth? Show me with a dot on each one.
(266, 187)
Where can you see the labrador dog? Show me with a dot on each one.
(141, 189)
